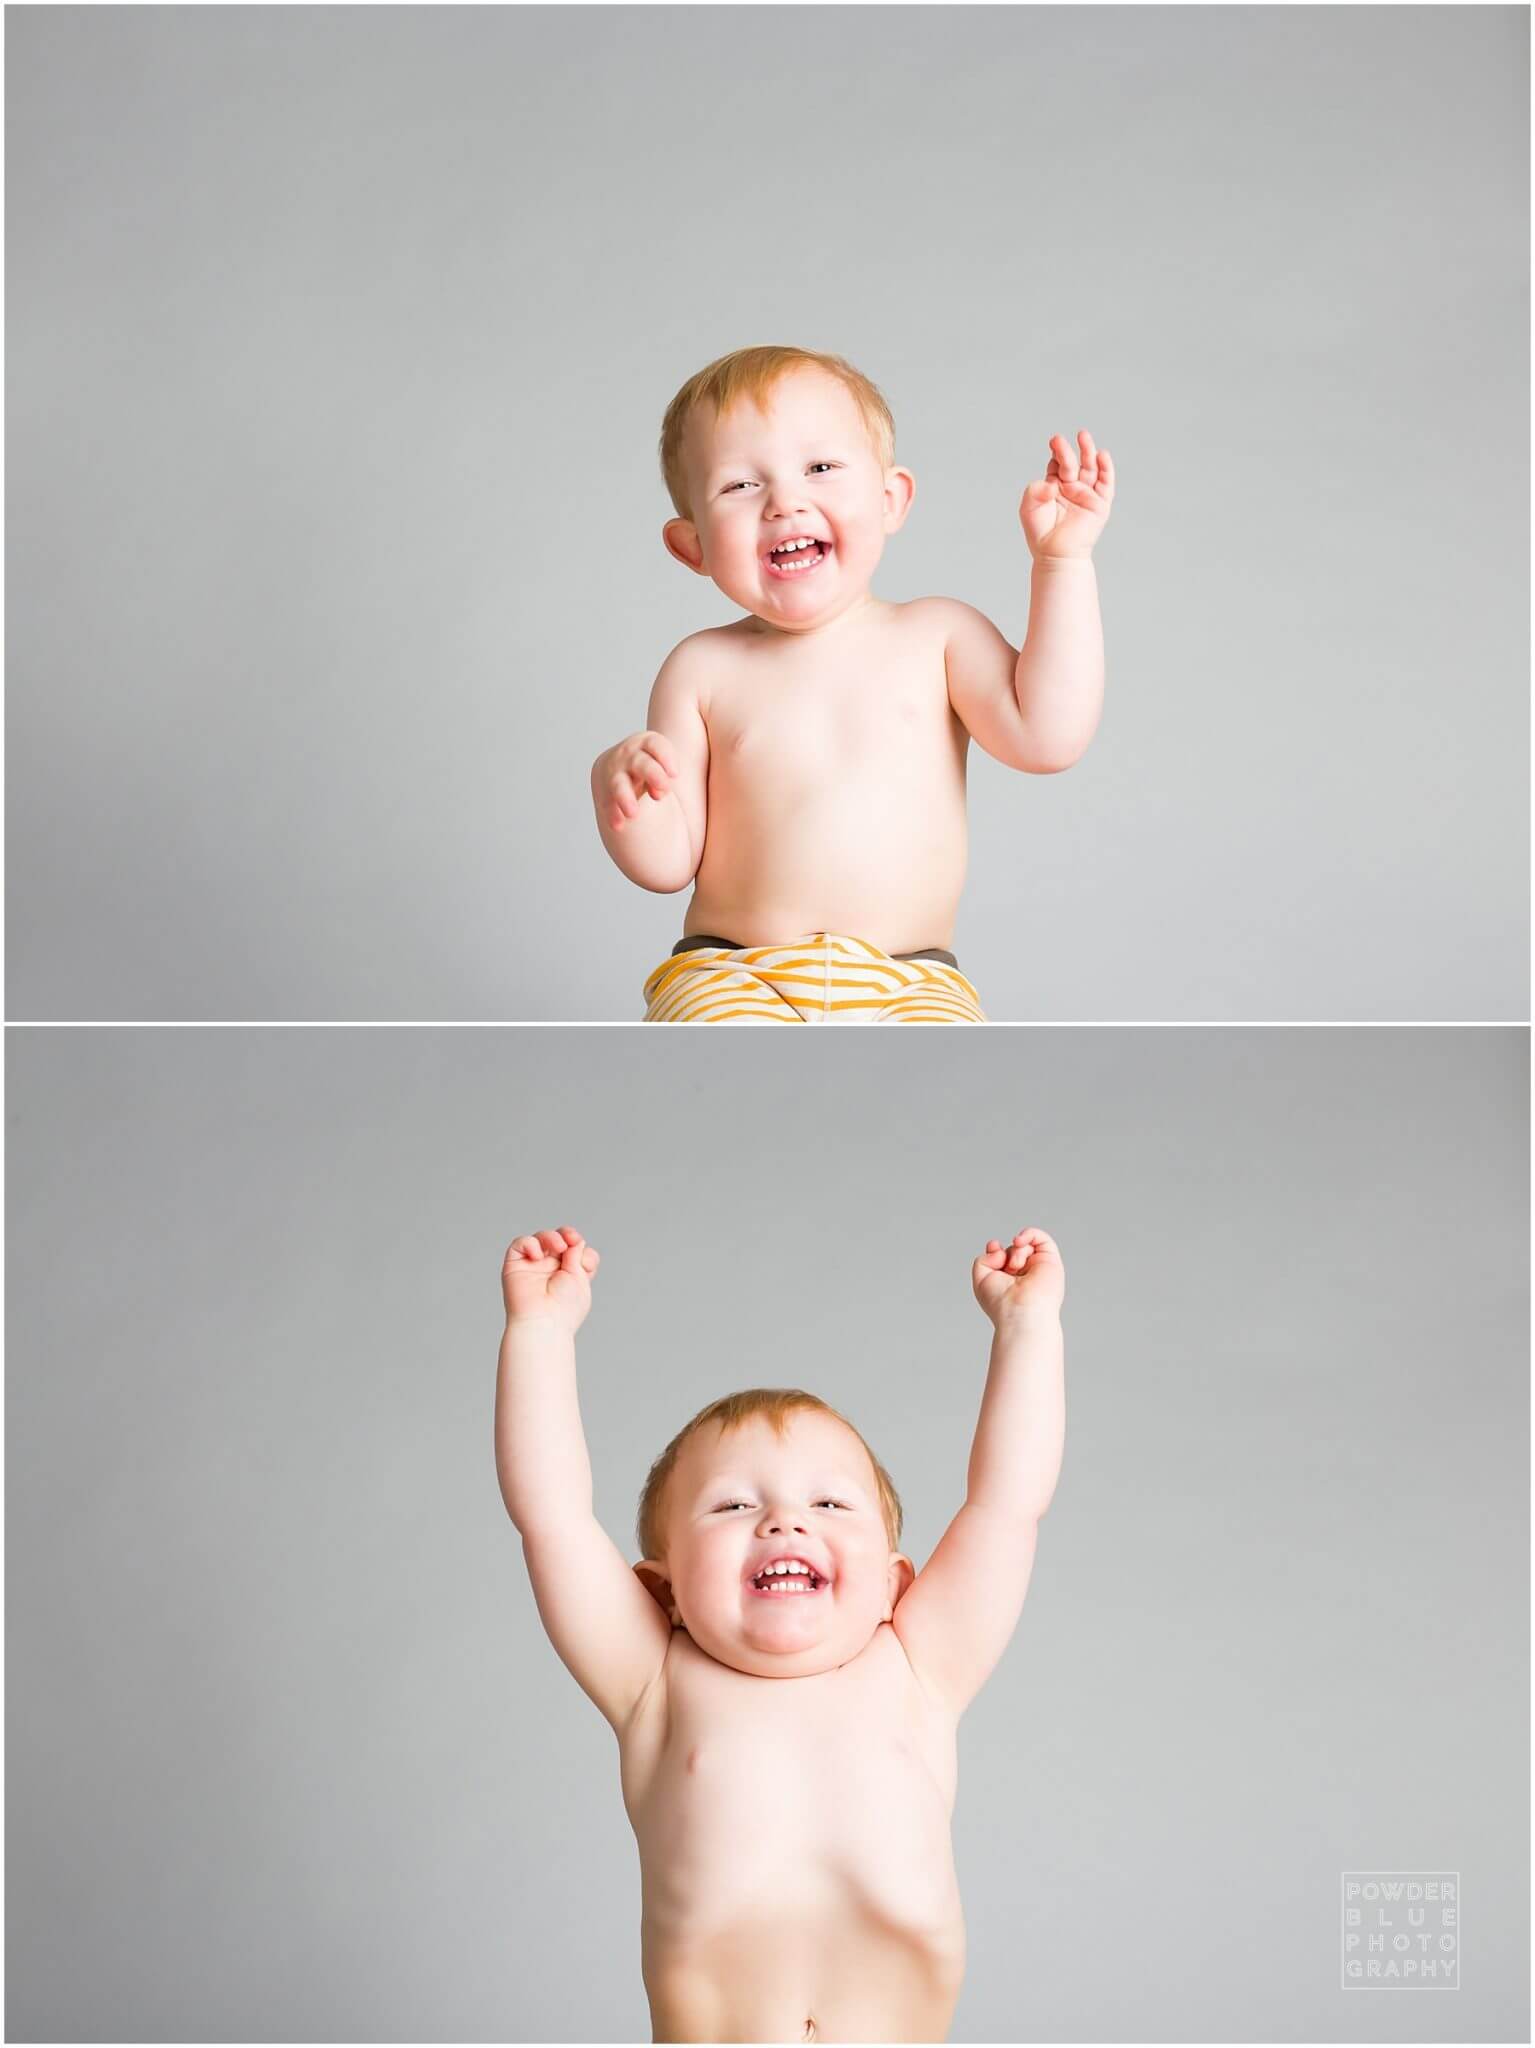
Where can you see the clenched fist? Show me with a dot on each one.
(645, 764)
(549, 1275)
(1024, 1278)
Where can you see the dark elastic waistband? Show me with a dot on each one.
(733, 946)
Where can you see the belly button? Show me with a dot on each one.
(809, 2027)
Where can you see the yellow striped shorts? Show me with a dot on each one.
(823, 978)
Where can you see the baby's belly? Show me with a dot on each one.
(877, 857)
(783, 1976)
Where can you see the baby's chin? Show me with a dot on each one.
(804, 1660)
(802, 1652)
(797, 615)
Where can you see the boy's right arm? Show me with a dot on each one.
(651, 789)
(609, 1632)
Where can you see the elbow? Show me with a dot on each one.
(1052, 755)
(667, 888)
(665, 879)
(1048, 760)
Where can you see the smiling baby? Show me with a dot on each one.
(784, 1685)
(803, 766)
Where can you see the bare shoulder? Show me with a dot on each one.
(717, 640)
(947, 615)
(712, 650)
(694, 649)
(926, 609)
(682, 685)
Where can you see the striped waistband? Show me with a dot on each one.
(701, 939)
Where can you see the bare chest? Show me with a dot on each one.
(876, 703)
(834, 1792)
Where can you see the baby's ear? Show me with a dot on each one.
(902, 1573)
(680, 537)
(652, 1576)
(900, 489)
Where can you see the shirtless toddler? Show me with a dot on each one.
(804, 766)
(784, 1685)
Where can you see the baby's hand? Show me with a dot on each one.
(645, 764)
(1023, 1278)
(549, 1276)
(1065, 512)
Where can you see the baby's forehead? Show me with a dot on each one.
(801, 394)
(807, 1439)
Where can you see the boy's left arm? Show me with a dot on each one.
(957, 1616)
(1037, 709)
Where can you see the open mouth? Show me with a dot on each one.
(802, 562)
(787, 1585)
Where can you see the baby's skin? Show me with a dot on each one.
(787, 1758)
(804, 766)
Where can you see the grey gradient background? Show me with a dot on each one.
(288, 1753)
(337, 349)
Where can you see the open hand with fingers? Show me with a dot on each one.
(548, 1276)
(1064, 512)
(1025, 1278)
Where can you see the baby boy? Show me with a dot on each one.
(784, 1685)
(804, 766)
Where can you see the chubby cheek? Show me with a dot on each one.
(729, 547)
(724, 1586)
(866, 1587)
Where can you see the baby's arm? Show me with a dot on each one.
(1038, 709)
(609, 1632)
(956, 1618)
(651, 790)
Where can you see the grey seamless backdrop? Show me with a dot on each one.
(337, 348)
(288, 1753)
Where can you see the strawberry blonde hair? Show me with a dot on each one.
(752, 373)
(777, 1404)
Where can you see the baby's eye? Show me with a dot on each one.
(738, 486)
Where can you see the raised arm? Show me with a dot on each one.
(958, 1615)
(609, 1632)
(1037, 709)
(650, 791)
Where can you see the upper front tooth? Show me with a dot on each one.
(795, 544)
(788, 1567)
